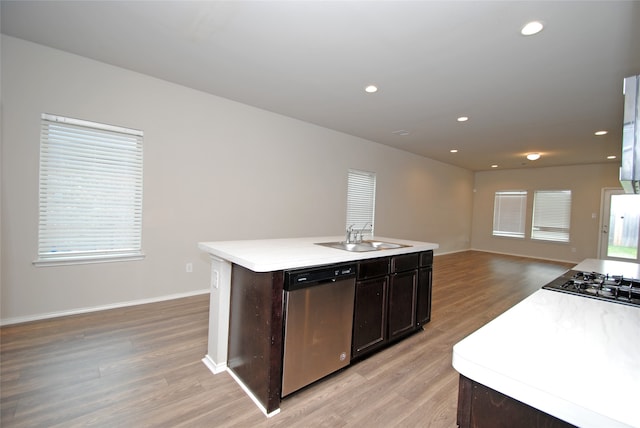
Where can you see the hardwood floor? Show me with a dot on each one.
(141, 366)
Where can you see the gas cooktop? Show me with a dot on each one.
(598, 286)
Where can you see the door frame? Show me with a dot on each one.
(604, 201)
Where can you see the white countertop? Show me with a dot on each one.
(573, 357)
(610, 267)
(266, 255)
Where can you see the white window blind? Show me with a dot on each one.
(361, 200)
(90, 192)
(551, 215)
(509, 213)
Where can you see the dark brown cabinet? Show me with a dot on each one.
(403, 283)
(392, 300)
(370, 315)
(482, 407)
(370, 306)
(423, 310)
(402, 303)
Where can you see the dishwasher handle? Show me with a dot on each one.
(303, 278)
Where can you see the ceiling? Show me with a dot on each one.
(432, 61)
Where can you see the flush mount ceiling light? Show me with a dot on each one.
(371, 89)
(454, 150)
(611, 157)
(601, 132)
(533, 156)
(531, 28)
(494, 166)
(401, 132)
(462, 119)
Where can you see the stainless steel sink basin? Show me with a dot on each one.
(381, 245)
(362, 246)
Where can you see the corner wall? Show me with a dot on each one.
(585, 182)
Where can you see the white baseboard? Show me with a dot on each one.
(18, 320)
(528, 256)
(213, 366)
(250, 394)
(444, 253)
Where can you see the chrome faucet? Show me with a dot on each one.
(360, 233)
(349, 235)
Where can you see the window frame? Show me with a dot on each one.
(361, 201)
(90, 192)
(562, 225)
(522, 214)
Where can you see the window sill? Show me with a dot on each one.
(64, 261)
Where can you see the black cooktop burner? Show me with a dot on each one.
(598, 286)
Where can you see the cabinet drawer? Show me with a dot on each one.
(426, 258)
(404, 262)
(373, 268)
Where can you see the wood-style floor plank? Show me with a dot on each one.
(141, 366)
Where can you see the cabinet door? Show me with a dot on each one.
(423, 311)
(402, 303)
(370, 315)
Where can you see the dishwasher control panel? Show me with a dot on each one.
(301, 278)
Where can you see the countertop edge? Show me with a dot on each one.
(280, 254)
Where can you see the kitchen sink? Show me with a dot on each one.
(363, 246)
(381, 245)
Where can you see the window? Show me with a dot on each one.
(90, 192)
(509, 213)
(361, 198)
(551, 215)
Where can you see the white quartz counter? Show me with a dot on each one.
(573, 357)
(266, 255)
(610, 267)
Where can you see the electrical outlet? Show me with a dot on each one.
(214, 278)
(189, 267)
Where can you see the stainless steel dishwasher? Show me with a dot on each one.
(318, 310)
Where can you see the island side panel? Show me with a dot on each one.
(482, 407)
(255, 333)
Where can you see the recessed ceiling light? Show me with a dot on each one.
(601, 132)
(611, 157)
(531, 28)
(533, 156)
(371, 89)
(462, 119)
(401, 132)
(494, 166)
(454, 150)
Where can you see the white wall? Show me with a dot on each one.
(213, 170)
(585, 182)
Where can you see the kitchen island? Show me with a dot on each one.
(554, 357)
(245, 330)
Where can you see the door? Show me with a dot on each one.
(620, 226)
